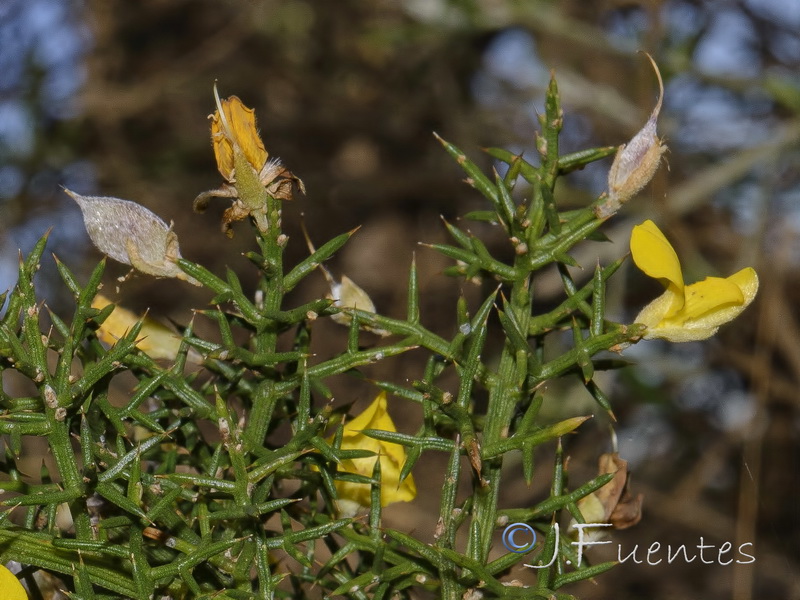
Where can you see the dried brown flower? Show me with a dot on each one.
(612, 503)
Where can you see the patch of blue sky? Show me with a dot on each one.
(16, 128)
(710, 118)
(11, 181)
(729, 47)
(783, 12)
(683, 20)
(513, 58)
(628, 28)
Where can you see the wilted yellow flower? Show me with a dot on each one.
(685, 313)
(392, 457)
(233, 126)
(155, 340)
(11, 587)
(244, 162)
(635, 162)
(131, 234)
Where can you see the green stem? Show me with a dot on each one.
(266, 341)
(504, 395)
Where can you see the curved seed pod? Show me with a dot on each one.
(637, 161)
(131, 234)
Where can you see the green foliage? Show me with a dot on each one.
(184, 492)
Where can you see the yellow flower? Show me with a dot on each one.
(392, 457)
(250, 175)
(233, 126)
(686, 313)
(155, 340)
(12, 588)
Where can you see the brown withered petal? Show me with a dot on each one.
(611, 492)
(618, 506)
(235, 212)
(613, 500)
(283, 189)
(131, 234)
(637, 161)
(235, 124)
(628, 511)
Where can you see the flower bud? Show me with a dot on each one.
(348, 295)
(131, 234)
(636, 162)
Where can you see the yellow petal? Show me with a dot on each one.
(707, 296)
(375, 416)
(709, 304)
(654, 313)
(656, 257)
(155, 340)
(686, 313)
(747, 281)
(236, 128)
(392, 457)
(729, 302)
(12, 588)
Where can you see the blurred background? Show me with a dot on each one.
(110, 97)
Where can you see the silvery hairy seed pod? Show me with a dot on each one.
(636, 162)
(132, 235)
